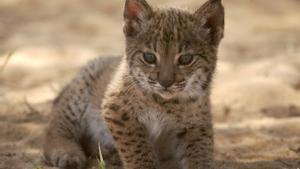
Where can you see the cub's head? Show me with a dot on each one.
(172, 52)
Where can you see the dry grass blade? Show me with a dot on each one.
(6, 61)
(101, 163)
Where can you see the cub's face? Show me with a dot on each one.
(172, 52)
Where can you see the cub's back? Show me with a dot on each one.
(79, 102)
(91, 82)
(76, 125)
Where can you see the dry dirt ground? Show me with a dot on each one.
(256, 94)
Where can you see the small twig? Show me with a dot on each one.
(284, 163)
(53, 88)
(31, 108)
(8, 57)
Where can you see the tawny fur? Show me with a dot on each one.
(148, 113)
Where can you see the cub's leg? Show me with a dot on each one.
(61, 145)
(76, 127)
(130, 136)
(197, 141)
(198, 148)
(63, 152)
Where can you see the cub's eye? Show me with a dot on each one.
(185, 60)
(150, 58)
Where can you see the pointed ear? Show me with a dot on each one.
(136, 14)
(211, 15)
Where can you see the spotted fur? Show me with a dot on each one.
(147, 113)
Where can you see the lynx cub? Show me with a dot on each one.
(150, 105)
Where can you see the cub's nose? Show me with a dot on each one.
(166, 83)
(166, 75)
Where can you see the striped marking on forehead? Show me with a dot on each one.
(169, 30)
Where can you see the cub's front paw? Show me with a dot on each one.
(67, 160)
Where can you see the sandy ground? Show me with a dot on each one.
(256, 94)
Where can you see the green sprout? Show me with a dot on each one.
(38, 167)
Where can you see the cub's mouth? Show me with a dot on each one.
(167, 93)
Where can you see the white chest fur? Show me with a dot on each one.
(155, 122)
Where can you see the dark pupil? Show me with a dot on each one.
(150, 58)
(185, 60)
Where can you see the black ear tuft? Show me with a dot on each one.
(212, 14)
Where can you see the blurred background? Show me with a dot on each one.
(256, 93)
